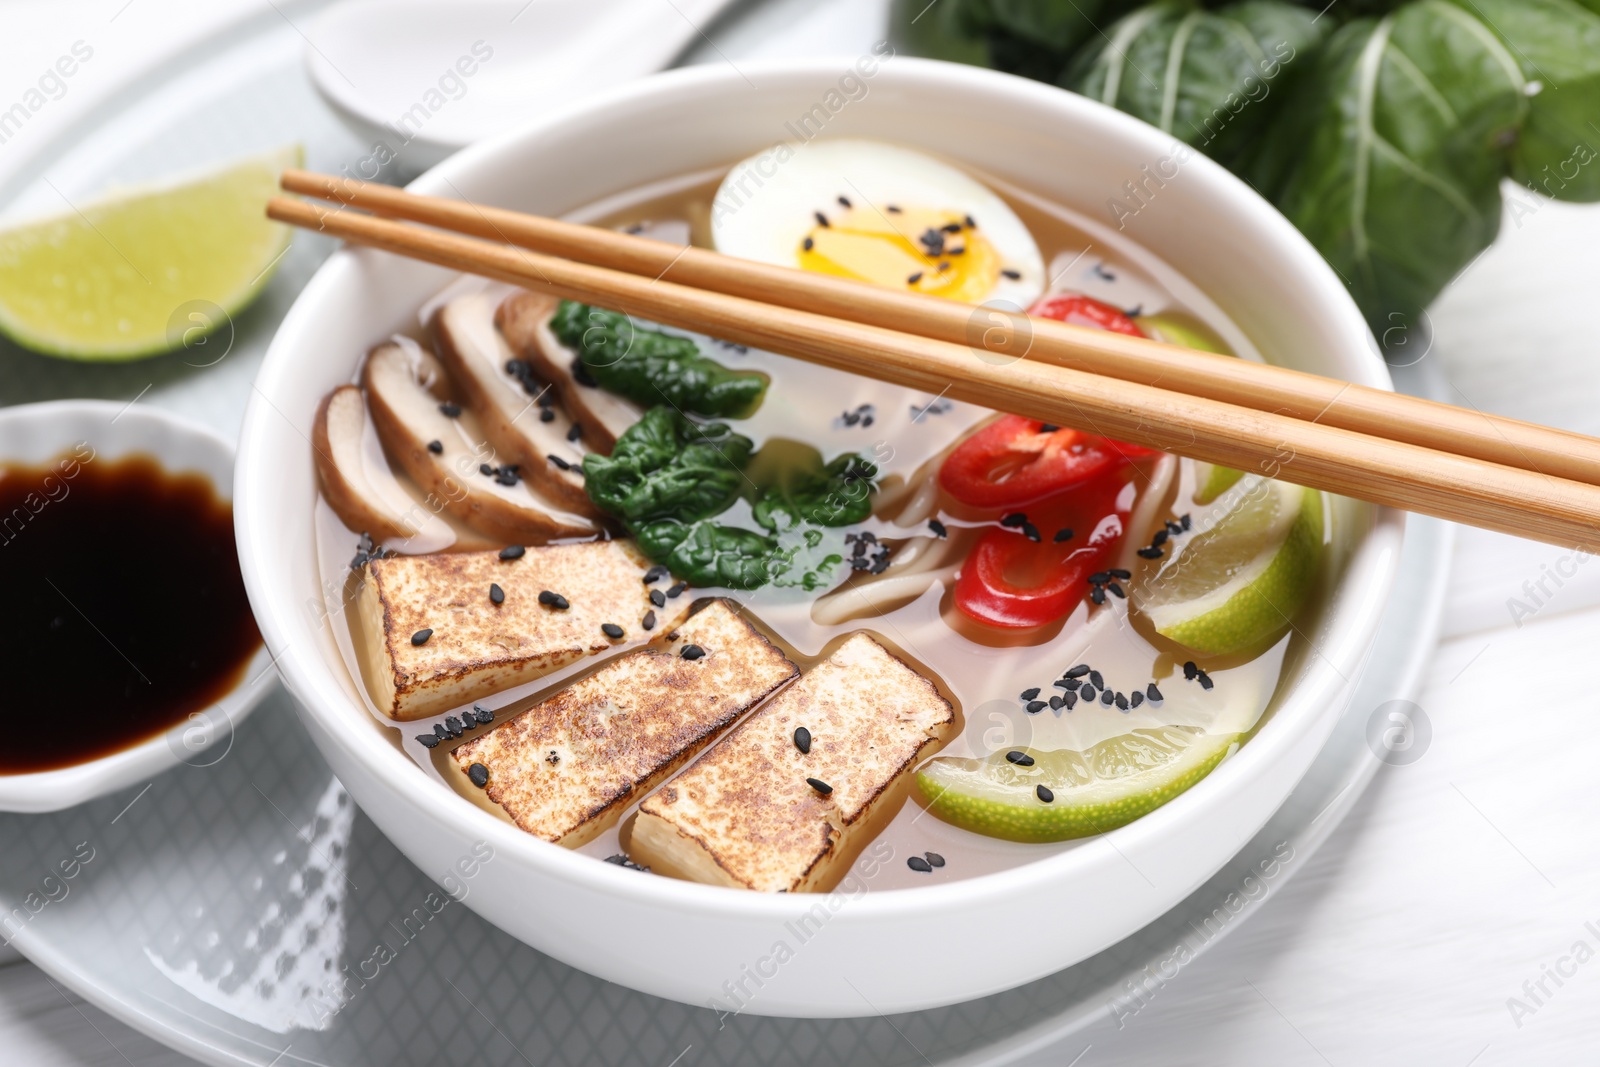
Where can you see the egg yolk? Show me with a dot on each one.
(927, 251)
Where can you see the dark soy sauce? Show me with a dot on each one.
(122, 609)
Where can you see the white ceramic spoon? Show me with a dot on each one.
(422, 79)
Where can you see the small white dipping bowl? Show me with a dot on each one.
(33, 434)
(880, 951)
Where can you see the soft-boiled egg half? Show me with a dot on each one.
(878, 213)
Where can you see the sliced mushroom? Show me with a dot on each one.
(446, 456)
(360, 487)
(511, 414)
(524, 320)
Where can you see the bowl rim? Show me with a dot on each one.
(1373, 562)
(173, 441)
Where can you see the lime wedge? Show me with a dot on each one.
(1092, 791)
(1176, 330)
(1211, 481)
(144, 270)
(1238, 582)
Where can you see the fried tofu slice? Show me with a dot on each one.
(565, 769)
(478, 647)
(745, 814)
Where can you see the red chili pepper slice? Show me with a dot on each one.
(1079, 310)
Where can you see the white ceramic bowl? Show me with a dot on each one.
(38, 433)
(885, 951)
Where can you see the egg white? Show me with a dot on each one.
(766, 205)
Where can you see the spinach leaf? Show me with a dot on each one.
(1213, 79)
(666, 466)
(649, 366)
(1385, 156)
(708, 553)
(836, 494)
(1556, 44)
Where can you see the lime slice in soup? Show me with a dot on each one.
(145, 270)
(1053, 795)
(1211, 481)
(1244, 574)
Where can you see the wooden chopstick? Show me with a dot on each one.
(1317, 455)
(1264, 387)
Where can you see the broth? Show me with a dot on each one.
(982, 672)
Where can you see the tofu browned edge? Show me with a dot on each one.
(744, 662)
(601, 579)
(669, 846)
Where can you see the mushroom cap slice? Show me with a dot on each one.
(359, 485)
(476, 356)
(524, 321)
(409, 419)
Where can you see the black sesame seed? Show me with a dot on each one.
(1150, 553)
(553, 600)
(611, 630)
(479, 775)
(449, 410)
(1153, 693)
(1056, 702)
(421, 636)
(1116, 589)
(808, 244)
(655, 574)
(512, 552)
(1021, 759)
(429, 740)
(436, 447)
(1030, 694)
(496, 594)
(1034, 707)
(676, 588)
(1012, 274)
(920, 865)
(1122, 702)
(547, 415)
(1048, 427)
(1044, 793)
(819, 785)
(938, 528)
(1184, 522)
(649, 620)
(970, 224)
(439, 731)
(844, 202)
(1190, 670)
(1136, 699)
(802, 739)
(1096, 680)
(1068, 684)
(943, 266)
(692, 652)
(1077, 672)
(951, 227)
(1031, 532)
(1118, 572)
(486, 470)
(934, 858)
(1013, 520)
(822, 220)
(1107, 697)
(1087, 693)
(914, 278)
(482, 714)
(574, 432)
(1071, 700)
(891, 209)
(658, 598)
(1205, 680)
(559, 463)
(1099, 577)
(1160, 538)
(1063, 534)
(454, 726)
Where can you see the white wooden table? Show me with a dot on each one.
(1454, 919)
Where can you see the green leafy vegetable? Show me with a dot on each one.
(709, 553)
(1382, 128)
(1394, 173)
(1556, 44)
(1208, 78)
(650, 366)
(666, 466)
(838, 493)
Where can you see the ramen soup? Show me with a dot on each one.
(732, 617)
